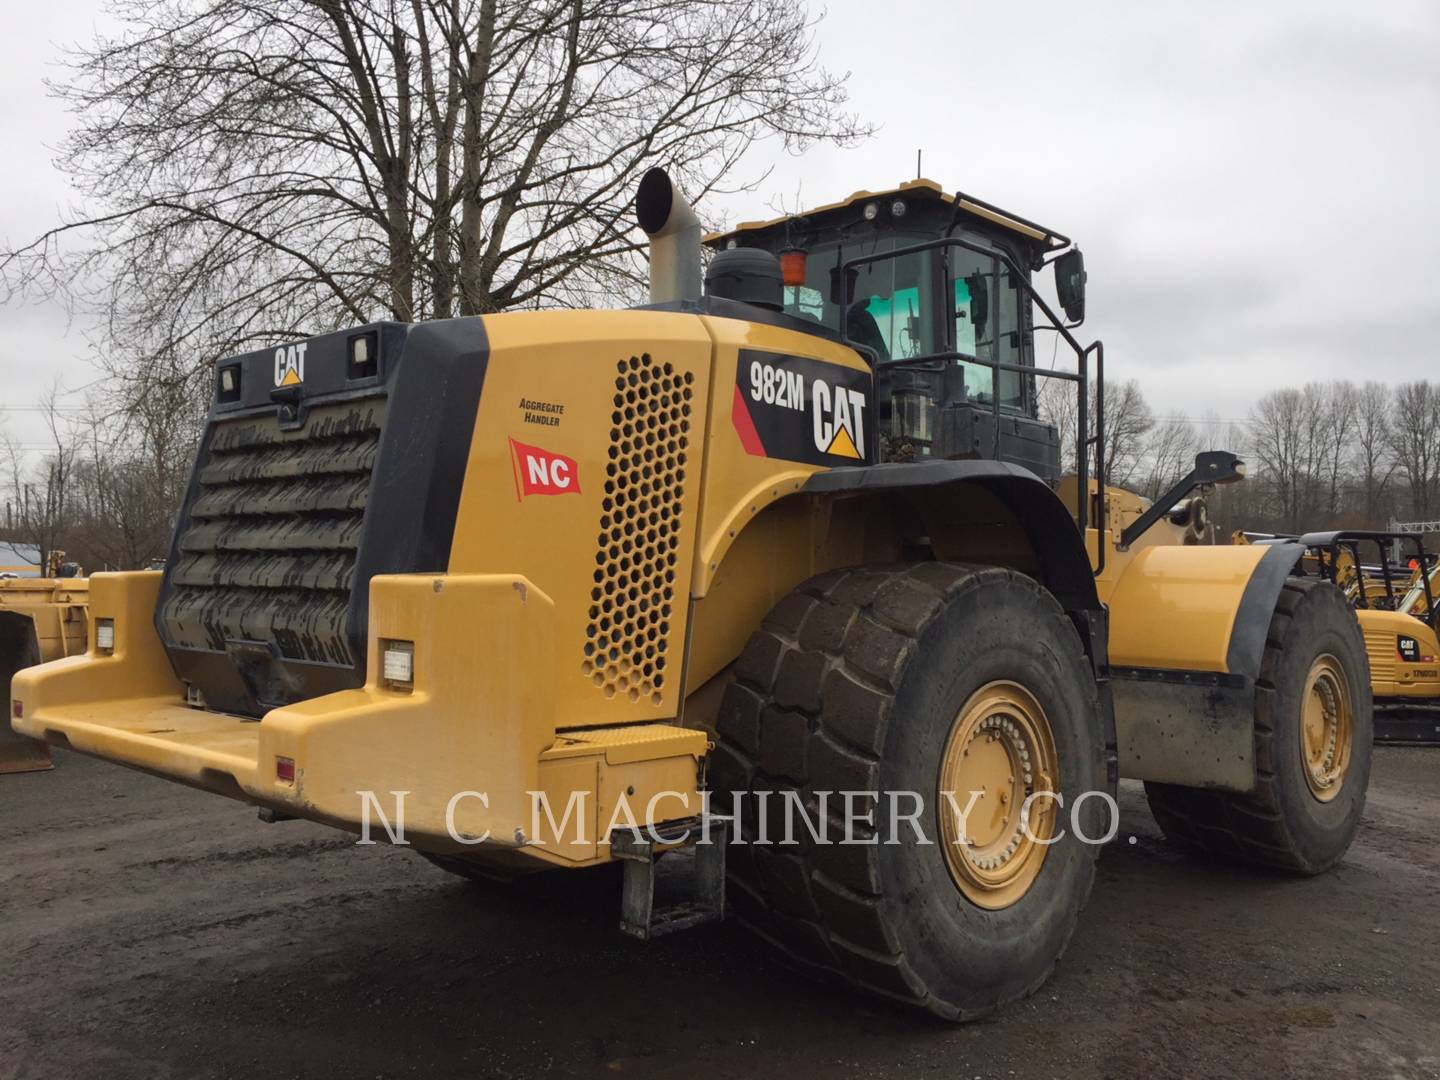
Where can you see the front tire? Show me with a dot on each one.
(1314, 728)
(881, 681)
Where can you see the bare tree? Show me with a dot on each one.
(1415, 442)
(1341, 402)
(40, 491)
(255, 171)
(1128, 418)
(1277, 430)
(1169, 454)
(1371, 462)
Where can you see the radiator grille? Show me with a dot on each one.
(269, 552)
(639, 540)
(1382, 650)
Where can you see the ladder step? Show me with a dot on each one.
(689, 891)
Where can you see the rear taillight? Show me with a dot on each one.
(285, 770)
(17, 709)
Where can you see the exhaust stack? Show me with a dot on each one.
(674, 233)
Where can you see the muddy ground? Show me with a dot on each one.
(151, 931)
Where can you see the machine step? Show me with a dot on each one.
(690, 891)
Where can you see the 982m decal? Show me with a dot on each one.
(799, 409)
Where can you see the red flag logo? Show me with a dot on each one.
(539, 472)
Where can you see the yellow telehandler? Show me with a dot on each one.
(788, 537)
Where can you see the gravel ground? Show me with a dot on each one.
(152, 931)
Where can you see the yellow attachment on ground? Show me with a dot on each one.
(41, 619)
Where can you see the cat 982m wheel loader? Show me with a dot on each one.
(795, 539)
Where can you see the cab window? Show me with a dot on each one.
(895, 307)
(987, 305)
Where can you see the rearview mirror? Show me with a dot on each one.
(842, 285)
(1070, 284)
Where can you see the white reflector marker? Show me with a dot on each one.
(399, 662)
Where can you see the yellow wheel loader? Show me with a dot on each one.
(40, 619)
(769, 577)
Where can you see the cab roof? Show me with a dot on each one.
(911, 189)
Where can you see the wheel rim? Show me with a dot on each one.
(1001, 746)
(1327, 727)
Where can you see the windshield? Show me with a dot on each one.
(898, 309)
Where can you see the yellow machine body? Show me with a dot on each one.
(509, 695)
(573, 650)
(41, 619)
(1389, 636)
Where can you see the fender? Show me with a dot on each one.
(1057, 551)
(1257, 606)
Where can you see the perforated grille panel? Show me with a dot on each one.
(628, 635)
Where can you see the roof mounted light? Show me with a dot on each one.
(897, 208)
(871, 211)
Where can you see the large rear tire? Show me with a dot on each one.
(903, 680)
(1313, 735)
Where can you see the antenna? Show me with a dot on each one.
(918, 172)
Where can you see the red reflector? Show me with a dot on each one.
(792, 267)
(18, 708)
(285, 769)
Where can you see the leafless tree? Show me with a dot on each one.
(253, 171)
(1128, 418)
(40, 496)
(1415, 442)
(1169, 454)
(1341, 403)
(1371, 462)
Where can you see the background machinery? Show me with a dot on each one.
(41, 619)
(790, 540)
(1392, 581)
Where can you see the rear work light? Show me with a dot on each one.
(229, 384)
(105, 635)
(398, 662)
(364, 356)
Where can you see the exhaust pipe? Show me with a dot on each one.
(674, 233)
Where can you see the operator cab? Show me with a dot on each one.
(937, 294)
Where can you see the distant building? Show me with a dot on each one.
(21, 559)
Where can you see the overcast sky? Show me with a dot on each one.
(1253, 184)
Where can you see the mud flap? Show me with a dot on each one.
(19, 649)
(1192, 728)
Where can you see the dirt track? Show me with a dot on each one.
(148, 930)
